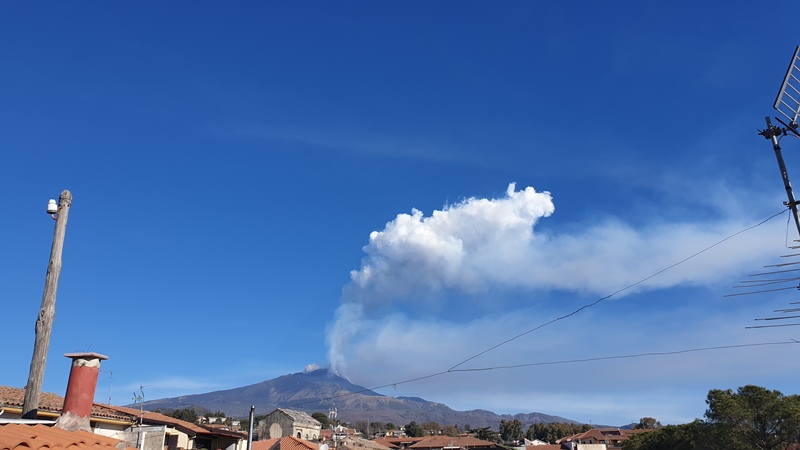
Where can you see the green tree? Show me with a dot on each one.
(486, 434)
(754, 417)
(647, 423)
(186, 414)
(691, 436)
(390, 426)
(551, 432)
(451, 430)
(511, 430)
(321, 418)
(431, 428)
(414, 430)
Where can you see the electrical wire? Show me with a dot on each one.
(548, 363)
(635, 355)
(630, 286)
(455, 368)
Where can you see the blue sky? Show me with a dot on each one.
(392, 188)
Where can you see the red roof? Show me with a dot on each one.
(15, 436)
(600, 435)
(14, 397)
(397, 442)
(284, 443)
(451, 441)
(161, 419)
(421, 443)
(266, 444)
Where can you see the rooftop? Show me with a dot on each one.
(37, 437)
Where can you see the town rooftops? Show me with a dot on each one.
(433, 442)
(611, 436)
(451, 442)
(151, 417)
(51, 404)
(398, 442)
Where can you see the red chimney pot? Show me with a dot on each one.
(82, 384)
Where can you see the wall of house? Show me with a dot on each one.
(144, 438)
(278, 425)
(275, 425)
(306, 432)
(591, 447)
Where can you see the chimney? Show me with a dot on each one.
(80, 391)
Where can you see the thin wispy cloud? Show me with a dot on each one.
(356, 143)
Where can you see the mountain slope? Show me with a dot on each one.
(320, 390)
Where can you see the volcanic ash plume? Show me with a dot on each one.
(463, 247)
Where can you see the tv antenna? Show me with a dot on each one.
(332, 413)
(789, 107)
(110, 380)
(782, 276)
(139, 398)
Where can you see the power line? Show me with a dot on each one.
(635, 355)
(588, 305)
(632, 285)
(551, 363)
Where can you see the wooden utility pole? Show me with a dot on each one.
(44, 322)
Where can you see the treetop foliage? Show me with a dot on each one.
(752, 417)
(551, 432)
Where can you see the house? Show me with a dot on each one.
(398, 443)
(612, 438)
(338, 433)
(355, 442)
(437, 443)
(139, 429)
(286, 422)
(179, 434)
(102, 420)
(453, 442)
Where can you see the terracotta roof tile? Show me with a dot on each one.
(284, 443)
(451, 441)
(154, 417)
(15, 436)
(48, 401)
(266, 444)
(357, 442)
(292, 443)
(602, 434)
(54, 403)
(397, 442)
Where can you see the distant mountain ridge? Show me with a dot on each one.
(318, 390)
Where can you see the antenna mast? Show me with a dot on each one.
(787, 104)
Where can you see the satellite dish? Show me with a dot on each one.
(323, 447)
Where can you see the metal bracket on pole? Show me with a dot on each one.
(772, 132)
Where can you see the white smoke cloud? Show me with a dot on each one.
(481, 245)
(461, 247)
